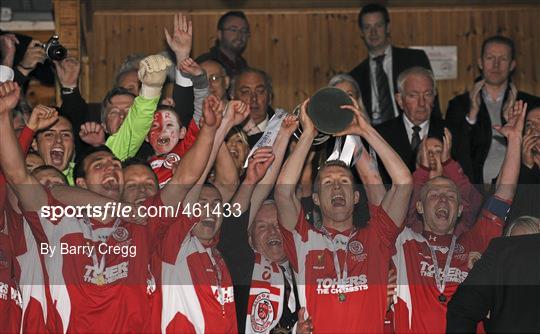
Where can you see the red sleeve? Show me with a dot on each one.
(302, 228)
(420, 177)
(185, 144)
(36, 223)
(470, 196)
(487, 227)
(171, 237)
(25, 139)
(384, 227)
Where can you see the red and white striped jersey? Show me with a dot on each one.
(111, 295)
(10, 297)
(418, 308)
(29, 273)
(358, 305)
(197, 288)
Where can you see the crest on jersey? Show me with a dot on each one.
(459, 249)
(171, 160)
(356, 247)
(262, 313)
(120, 234)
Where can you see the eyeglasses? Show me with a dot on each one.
(235, 30)
(214, 78)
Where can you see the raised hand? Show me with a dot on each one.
(510, 101)
(474, 96)
(258, 164)
(92, 133)
(9, 96)
(42, 117)
(527, 149)
(447, 145)
(237, 111)
(152, 73)
(422, 157)
(305, 120)
(516, 121)
(359, 124)
(304, 326)
(190, 67)
(8, 45)
(288, 125)
(212, 112)
(68, 72)
(181, 40)
(35, 54)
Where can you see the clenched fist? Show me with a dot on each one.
(152, 73)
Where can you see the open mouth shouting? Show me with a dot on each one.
(338, 200)
(57, 155)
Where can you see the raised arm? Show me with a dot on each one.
(396, 200)
(265, 186)
(191, 166)
(258, 166)
(128, 140)
(367, 169)
(512, 130)
(235, 113)
(31, 194)
(285, 192)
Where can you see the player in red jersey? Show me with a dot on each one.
(96, 288)
(342, 271)
(197, 288)
(431, 264)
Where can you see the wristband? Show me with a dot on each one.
(68, 90)
(498, 207)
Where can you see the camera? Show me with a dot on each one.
(55, 50)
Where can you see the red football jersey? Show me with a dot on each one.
(111, 295)
(10, 297)
(418, 308)
(359, 305)
(197, 288)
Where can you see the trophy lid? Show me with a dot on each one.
(325, 110)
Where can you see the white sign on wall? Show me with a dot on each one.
(443, 60)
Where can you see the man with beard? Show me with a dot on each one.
(470, 117)
(232, 36)
(197, 288)
(93, 277)
(252, 245)
(430, 265)
(342, 272)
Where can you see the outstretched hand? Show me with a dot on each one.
(359, 124)
(181, 39)
(92, 133)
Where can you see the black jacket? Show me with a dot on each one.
(504, 282)
(402, 59)
(471, 143)
(395, 134)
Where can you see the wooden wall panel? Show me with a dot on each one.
(303, 48)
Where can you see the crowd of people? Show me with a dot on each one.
(262, 231)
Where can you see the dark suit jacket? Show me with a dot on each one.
(504, 282)
(402, 59)
(471, 143)
(393, 131)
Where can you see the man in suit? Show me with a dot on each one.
(415, 96)
(471, 115)
(376, 75)
(505, 283)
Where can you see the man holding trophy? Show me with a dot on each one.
(341, 271)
